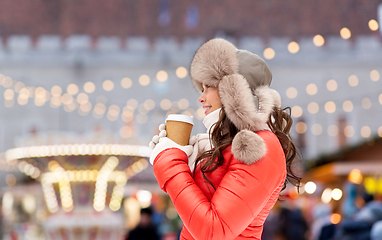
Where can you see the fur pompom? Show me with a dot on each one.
(214, 60)
(248, 147)
(238, 101)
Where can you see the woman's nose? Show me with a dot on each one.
(201, 99)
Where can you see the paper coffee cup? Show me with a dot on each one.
(179, 127)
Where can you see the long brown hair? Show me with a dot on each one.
(279, 122)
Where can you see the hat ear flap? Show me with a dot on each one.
(237, 100)
(248, 147)
(240, 104)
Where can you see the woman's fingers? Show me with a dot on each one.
(162, 127)
(163, 133)
(152, 145)
(155, 139)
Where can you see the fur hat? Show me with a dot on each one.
(243, 80)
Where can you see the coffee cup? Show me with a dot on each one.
(179, 127)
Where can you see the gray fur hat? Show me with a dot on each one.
(243, 80)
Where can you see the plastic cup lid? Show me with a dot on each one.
(180, 118)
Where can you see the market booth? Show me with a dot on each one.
(343, 179)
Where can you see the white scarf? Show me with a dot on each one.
(203, 139)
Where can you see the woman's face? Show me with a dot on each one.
(210, 99)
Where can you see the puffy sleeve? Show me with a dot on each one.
(239, 198)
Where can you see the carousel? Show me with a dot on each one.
(83, 181)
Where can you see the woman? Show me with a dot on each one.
(247, 161)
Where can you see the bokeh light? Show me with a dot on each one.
(269, 53)
(332, 130)
(310, 187)
(326, 195)
(366, 103)
(297, 111)
(330, 107)
(347, 106)
(89, 87)
(313, 107)
(349, 131)
(318, 40)
(301, 127)
(181, 72)
(316, 129)
(72, 89)
(345, 33)
(144, 80)
(353, 80)
(291, 92)
(331, 85)
(373, 25)
(162, 76)
(365, 131)
(108, 85)
(311, 89)
(374, 75)
(126, 82)
(293, 47)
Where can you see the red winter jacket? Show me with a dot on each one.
(243, 198)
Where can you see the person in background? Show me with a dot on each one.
(224, 183)
(145, 229)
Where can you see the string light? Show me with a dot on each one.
(313, 107)
(366, 103)
(331, 85)
(353, 80)
(293, 47)
(126, 82)
(73, 149)
(291, 92)
(165, 104)
(311, 89)
(269, 53)
(318, 40)
(349, 131)
(316, 129)
(365, 131)
(144, 80)
(181, 72)
(301, 127)
(162, 76)
(296, 111)
(347, 106)
(373, 25)
(183, 103)
(374, 75)
(332, 130)
(330, 107)
(72, 89)
(89, 87)
(108, 85)
(345, 33)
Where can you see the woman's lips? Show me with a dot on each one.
(206, 109)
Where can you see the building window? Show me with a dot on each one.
(164, 17)
(192, 16)
(380, 17)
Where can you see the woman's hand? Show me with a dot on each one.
(161, 142)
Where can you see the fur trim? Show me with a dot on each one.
(214, 60)
(267, 100)
(238, 101)
(240, 104)
(248, 147)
